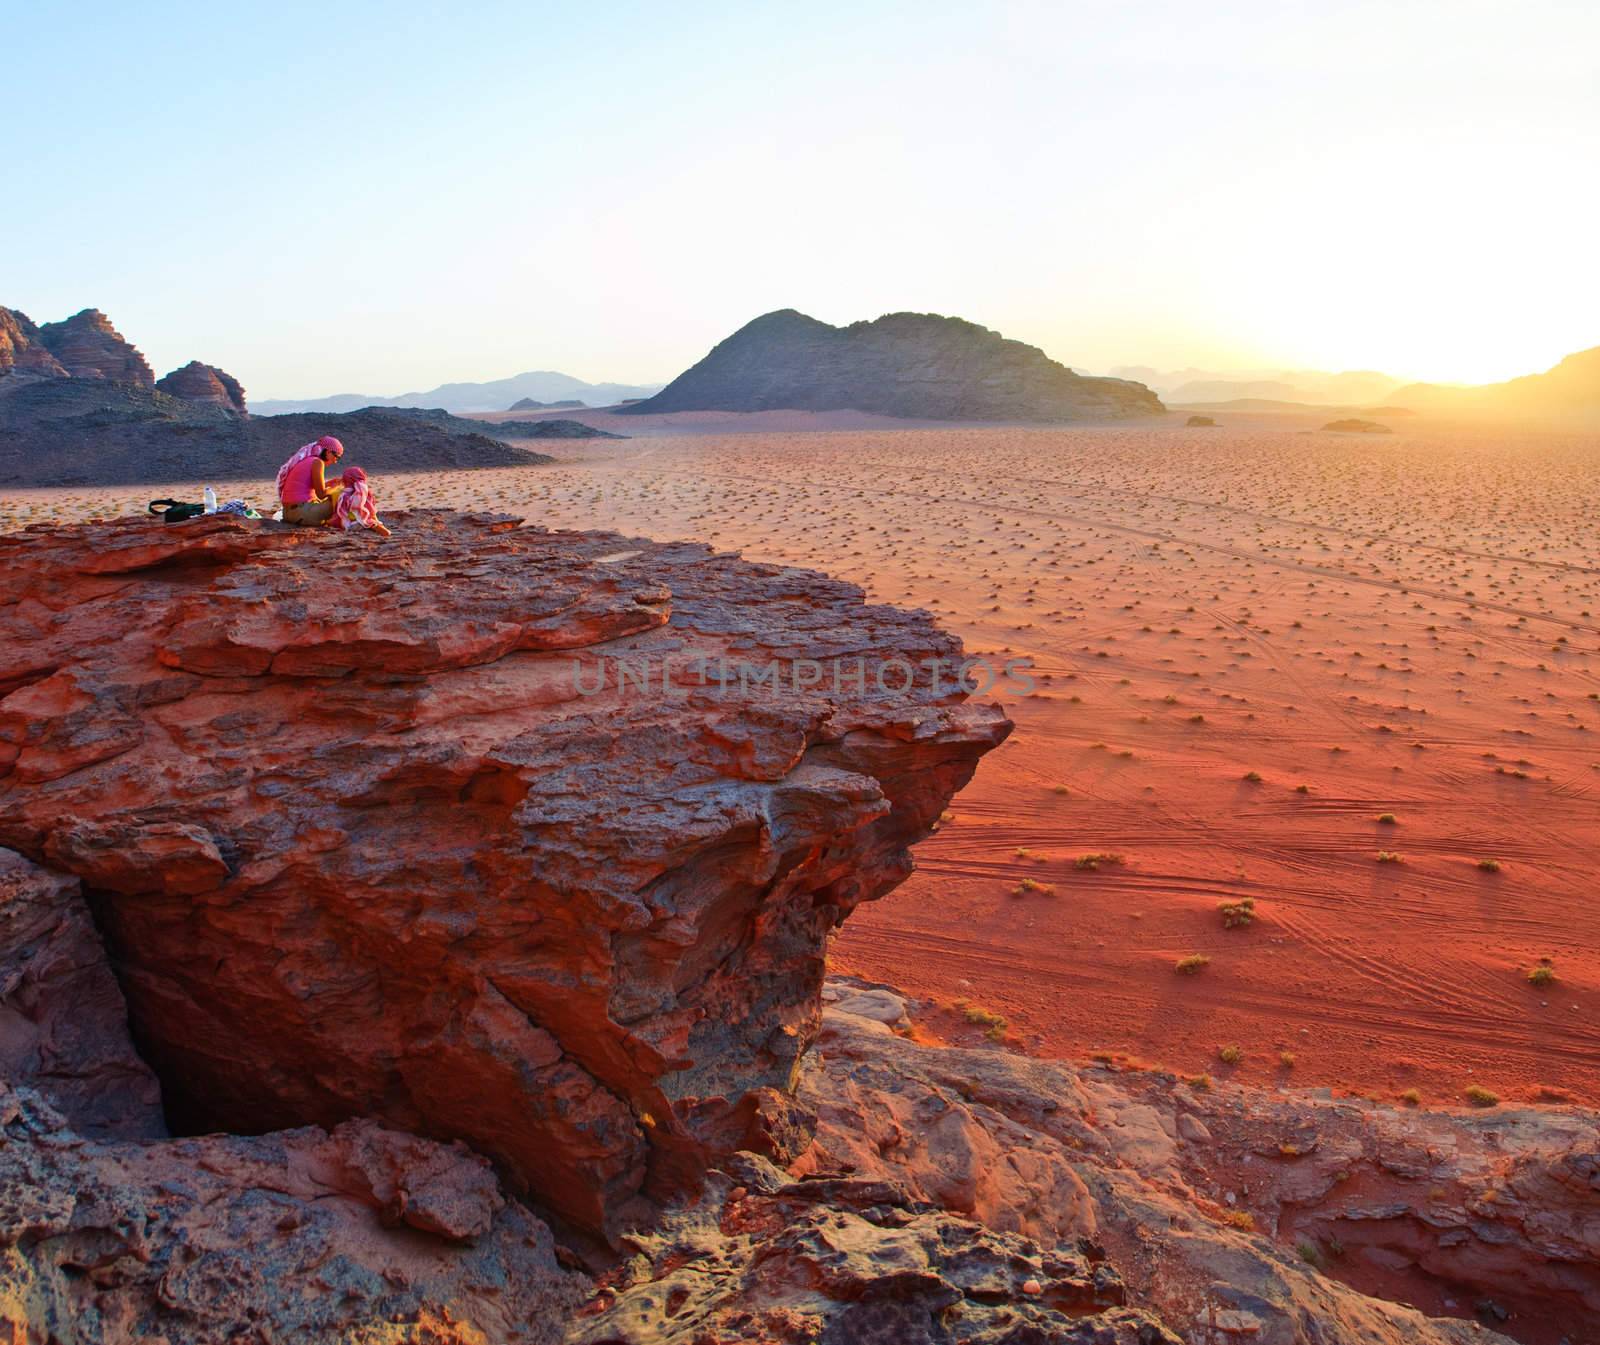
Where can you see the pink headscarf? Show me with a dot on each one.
(317, 446)
(355, 505)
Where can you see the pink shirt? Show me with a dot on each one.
(297, 485)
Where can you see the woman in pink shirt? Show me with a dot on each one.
(307, 494)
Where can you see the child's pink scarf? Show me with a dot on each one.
(355, 506)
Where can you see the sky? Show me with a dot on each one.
(353, 197)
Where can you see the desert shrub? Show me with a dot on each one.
(1237, 914)
(1191, 965)
(1479, 1096)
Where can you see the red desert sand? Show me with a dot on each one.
(1305, 792)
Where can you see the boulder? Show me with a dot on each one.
(527, 839)
(81, 431)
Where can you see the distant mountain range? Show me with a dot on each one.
(499, 395)
(1312, 387)
(919, 366)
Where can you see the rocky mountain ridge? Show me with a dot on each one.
(914, 365)
(87, 346)
(79, 406)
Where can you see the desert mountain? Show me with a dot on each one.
(542, 386)
(1571, 389)
(917, 365)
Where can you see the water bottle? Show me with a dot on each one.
(211, 500)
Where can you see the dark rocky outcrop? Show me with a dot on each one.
(88, 346)
(1357, 426)
(528, 404)
(207, 384)
(74, 432)
(501, 429)
(916, 365)
(1200, 422)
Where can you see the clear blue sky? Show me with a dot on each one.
(378, 197)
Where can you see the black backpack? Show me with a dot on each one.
(175, 511)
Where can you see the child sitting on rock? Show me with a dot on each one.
(355, 506)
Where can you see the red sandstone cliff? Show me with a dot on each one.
(21, 354)
(88, 346)
(205, 384)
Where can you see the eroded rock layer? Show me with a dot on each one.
(531, 840)
(206, 384)
(88, 346)
(22, 356)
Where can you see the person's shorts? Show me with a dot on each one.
(311, 512)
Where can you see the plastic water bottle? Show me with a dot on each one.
(211, 500)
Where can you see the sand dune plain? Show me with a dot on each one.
(1352, 680)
